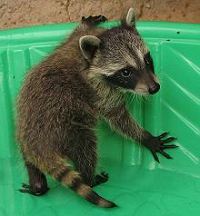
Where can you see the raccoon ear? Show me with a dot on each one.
(130, 17)
(88, 45)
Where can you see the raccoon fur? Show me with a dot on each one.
(62, 98)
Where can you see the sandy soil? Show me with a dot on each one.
(18, 13)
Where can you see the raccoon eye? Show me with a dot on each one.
(125, 73)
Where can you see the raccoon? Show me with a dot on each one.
(63, 97)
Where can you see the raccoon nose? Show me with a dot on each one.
(153, 88)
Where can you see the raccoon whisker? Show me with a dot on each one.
(132, 97)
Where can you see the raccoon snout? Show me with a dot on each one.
(153, 88)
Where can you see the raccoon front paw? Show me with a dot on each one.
(157, 145)
(94, 20)
(100, 178)
(33, 191)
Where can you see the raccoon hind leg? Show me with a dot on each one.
(37, 181)
(85, 158)
(100, 179)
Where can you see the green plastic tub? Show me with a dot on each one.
(138, 184)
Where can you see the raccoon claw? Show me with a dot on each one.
(100, 178)
(28, 189)
(94, 19)
(25, 185)
(158, 145)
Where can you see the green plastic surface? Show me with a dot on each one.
(137, 184)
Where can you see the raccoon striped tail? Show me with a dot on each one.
(72, 179)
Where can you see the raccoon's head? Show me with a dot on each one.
(120, 57)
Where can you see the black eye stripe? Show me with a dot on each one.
(128, 69)
(147, 55)
(149, 62)
(148, 58)
(128, 82)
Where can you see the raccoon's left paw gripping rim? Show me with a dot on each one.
(94, 20)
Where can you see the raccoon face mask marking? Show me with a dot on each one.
(142, 81)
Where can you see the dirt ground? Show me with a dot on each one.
(18, 13)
